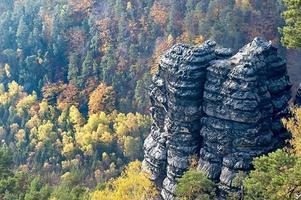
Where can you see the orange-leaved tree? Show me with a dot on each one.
(102, 99)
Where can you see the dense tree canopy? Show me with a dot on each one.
(133, 184)
(53, 139)
(74, 78)
(276, 176)
(292, 29)
(44, 42)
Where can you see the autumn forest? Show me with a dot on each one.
(74, 79)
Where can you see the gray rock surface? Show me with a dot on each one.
(226, 108)
(298, 96)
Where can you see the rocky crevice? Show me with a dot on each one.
(225, 108)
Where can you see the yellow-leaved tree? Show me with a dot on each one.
(133, 184)
(293, 124)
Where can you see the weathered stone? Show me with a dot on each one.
(226, 108)
(298, 96)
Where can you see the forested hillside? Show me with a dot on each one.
(82, 43)
(74, 78)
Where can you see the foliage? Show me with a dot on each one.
(49, 42)
(293, 125)
(194, 185)
(59, 143)
(132, 184)
(73, 74)
(71, 187)
(102, 99)
(38, 190)
(5, 162)
(15, 186)
(292, 29)
(276, 176)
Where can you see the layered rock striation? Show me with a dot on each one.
(224, 108)
(176, 96)
(244, 99)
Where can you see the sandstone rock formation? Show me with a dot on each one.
(244, 99)
(225, 109)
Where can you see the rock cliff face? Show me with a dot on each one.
(244, 99)
(225, 109)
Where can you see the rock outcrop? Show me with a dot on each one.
(224, 108)
(298, 96)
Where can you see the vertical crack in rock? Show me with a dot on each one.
(227, 109)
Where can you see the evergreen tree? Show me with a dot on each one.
(22, 34)
(189, 24)
(6, 161)
(73, 70)
(172, 19)
(276, 176)
(194, 185)
(87, 66)
(6, 37)
(292, 29)
(37, 190)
